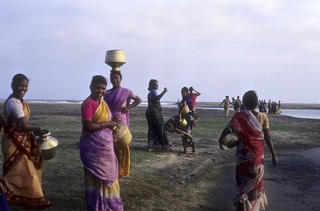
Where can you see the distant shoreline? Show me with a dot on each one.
(283, 105)
(315, 106)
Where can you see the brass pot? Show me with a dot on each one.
(122, 135)
(231, 140)
(185, 111)
(47, 144)
(115, 59)
(183, 122)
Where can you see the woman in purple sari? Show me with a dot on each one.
(102, 190)
(119, 102)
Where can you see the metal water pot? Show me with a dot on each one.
(115, 59)
(47, 144)
(122, 135)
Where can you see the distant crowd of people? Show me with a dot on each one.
(271, 107)
(236, 102)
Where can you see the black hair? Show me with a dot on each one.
(185, 89)
(152, 82)
(191, 89)
(114, 72)
(250, 100)
(98, 79)
(16, 80)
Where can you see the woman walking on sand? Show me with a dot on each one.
(157, 134)
(23, 160)
(252, 128)
(119, 102)
(226, 105)
(102, 190)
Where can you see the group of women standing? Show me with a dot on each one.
(104, 164)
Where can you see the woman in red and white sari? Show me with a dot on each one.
(23, 160)
(252, 128)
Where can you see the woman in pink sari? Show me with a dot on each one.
(252, 128)
(102, 190)
(119, 102)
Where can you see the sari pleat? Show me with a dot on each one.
(23, 162)
(100, 163)
(249, 189)
(116, 99)
(157, 133)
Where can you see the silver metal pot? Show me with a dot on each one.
(47, 144)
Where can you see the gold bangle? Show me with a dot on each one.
(101, 123)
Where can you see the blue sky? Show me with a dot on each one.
(218, 47)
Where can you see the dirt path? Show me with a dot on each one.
(209, 173)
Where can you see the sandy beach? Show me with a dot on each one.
(209, 172)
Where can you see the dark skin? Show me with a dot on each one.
(269, 142)
(116, 82)
(156, 86)
(97, 92)
(19, 91)
(5, 186)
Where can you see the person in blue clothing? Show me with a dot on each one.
(157, 134)
(184, 122)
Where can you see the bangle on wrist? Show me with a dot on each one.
(101, 123)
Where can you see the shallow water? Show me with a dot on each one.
(302, 113)
(298, 113)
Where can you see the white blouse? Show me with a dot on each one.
(15, 107)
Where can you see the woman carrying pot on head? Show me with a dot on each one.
(157, 134)
(119, 101)
(23, 160)
(102, 190)
(183, 123)
(252, 129)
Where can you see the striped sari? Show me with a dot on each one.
(97, 154)
(23, 162)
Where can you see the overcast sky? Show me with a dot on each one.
(218, 47)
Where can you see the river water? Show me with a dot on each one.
(298, 113)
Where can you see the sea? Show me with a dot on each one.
(298, 113)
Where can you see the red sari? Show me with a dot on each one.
(249, 189)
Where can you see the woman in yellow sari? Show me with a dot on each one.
(23, 160)
(102, 190)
